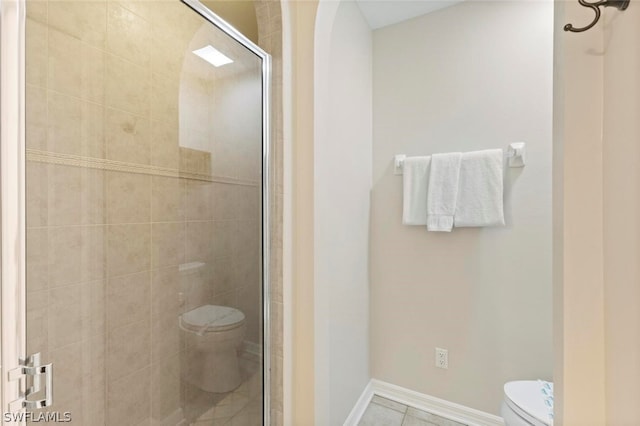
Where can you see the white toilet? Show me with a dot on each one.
(213, 336)
(526, 403)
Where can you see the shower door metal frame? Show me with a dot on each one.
(12, 195)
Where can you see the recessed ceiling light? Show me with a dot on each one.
(213, 56)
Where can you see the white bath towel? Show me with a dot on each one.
(480, 193)
(415, 178)
(443, 191)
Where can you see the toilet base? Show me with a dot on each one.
(211, 361)
(216, 372)
(511, 418)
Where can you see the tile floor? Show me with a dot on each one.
(384, 412)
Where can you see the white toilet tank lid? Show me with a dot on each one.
(526, 397)
(214, 317)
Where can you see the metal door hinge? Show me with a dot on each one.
(32, 368)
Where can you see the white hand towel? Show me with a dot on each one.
(480, 193)
(443, 191)
(415, 178)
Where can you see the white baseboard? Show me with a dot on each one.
(361, 404)
(437, 406)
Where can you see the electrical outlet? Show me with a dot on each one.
(442, 358)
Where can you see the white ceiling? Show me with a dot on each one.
(380, 13)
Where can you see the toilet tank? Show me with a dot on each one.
(191, 268)
(193, 285)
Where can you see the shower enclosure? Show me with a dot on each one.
(134, 170)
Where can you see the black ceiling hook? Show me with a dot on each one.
(619, 4)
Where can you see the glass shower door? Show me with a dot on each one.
(145, 148)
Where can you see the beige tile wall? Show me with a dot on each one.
(269, 15)
(104, 242)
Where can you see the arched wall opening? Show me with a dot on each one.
(342, 176)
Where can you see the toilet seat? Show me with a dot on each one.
(525, 399)
(210, 318)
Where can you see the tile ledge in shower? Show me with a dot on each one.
(121, 166)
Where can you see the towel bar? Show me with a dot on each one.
(515, 155)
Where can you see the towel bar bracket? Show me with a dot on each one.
(398, 164)
(516, 154)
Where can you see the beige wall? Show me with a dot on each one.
(596, 280)
(473, 76)
(578, 220)
(621, 169)
(300, 59)
(116, 203)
